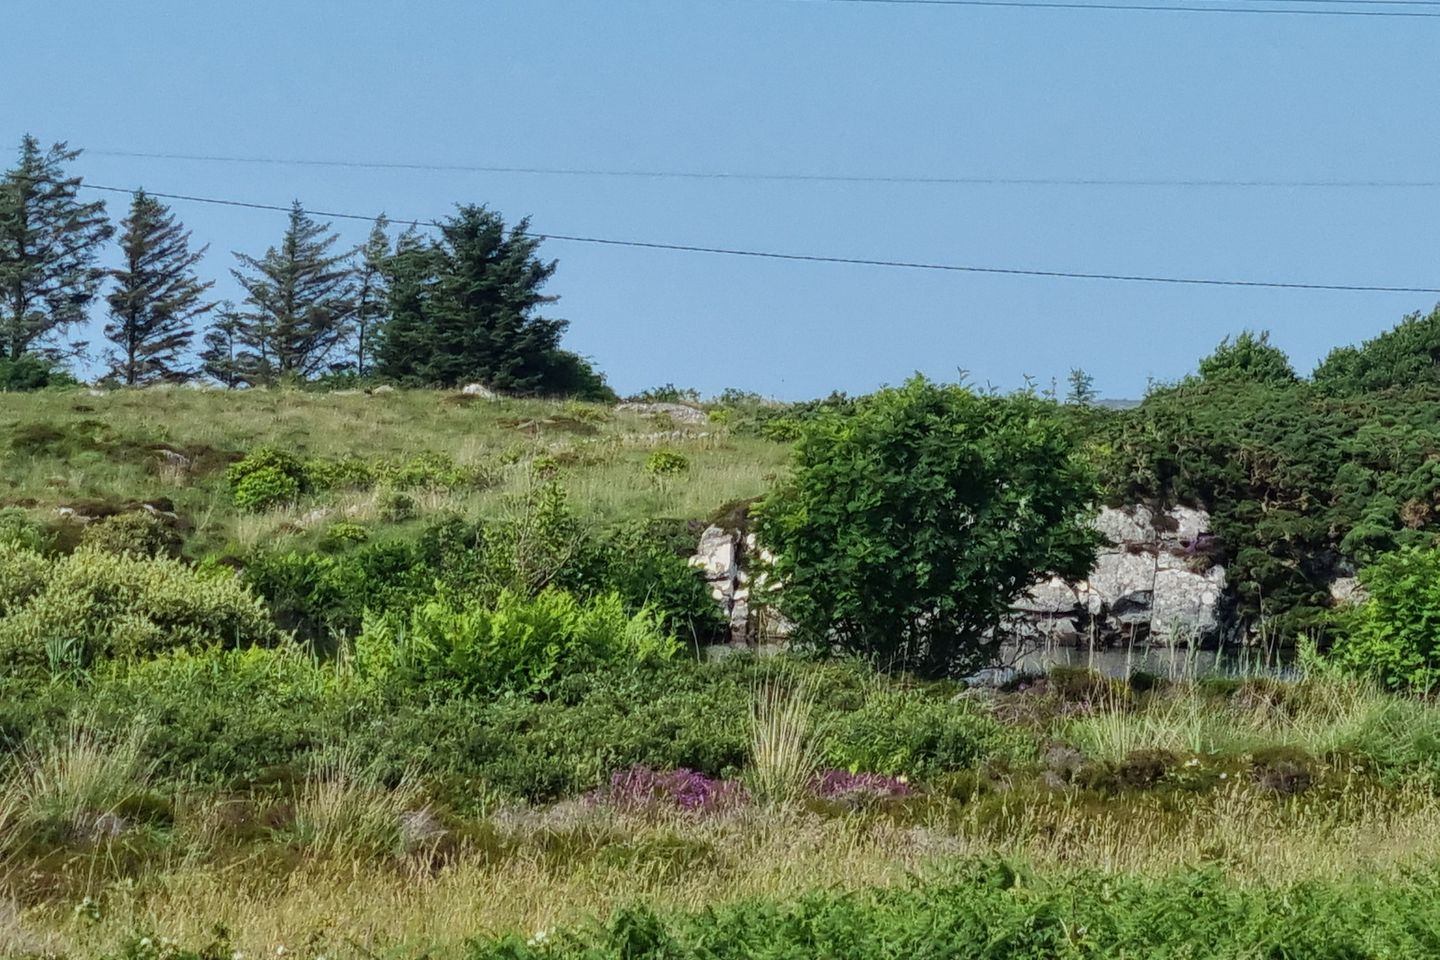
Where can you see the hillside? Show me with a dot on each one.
(89, 453)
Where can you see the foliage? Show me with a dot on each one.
(463, 309)
(647, 564)
(1295, 480)
(300, 302)
(157, 297)
(906, 528)
(95, 605)
(918, 735)
(519, 644)
(1248, 358)
(137, 532)
(989, 908)
(1401, 358)
(666, 463)
(31, 372)
(49, 242)
(370, 295)
(666, 393)
(1394, 635)
(265, 478)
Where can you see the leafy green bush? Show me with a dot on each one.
(31, 372)
(1250, 358)
(138, 532)
(1394, 636)
(519, 644)
(265, 478)
(666, 463)
(1403, 358)
(94, 605)
(647, 564)
(918, 735)
(344, 473)
(907, 527)
(321, 596)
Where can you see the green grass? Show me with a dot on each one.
(72, 449)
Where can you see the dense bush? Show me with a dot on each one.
(138, 532)
(31, 372)
(517, 644)
(647, 564)
(94, 605)
(919, 735)
(1295, 480)
(907, 527)
(1394, 636)
(1401, 358)
(1248, 358)
(266, 478)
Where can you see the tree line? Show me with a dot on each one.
(461, 305)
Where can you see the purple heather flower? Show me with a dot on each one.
(843, 784)
(682, 789)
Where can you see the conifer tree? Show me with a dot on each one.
(224, 357)
(300, 300)
(370, 294)
(157, 297)
(49, 241)
(463, 307)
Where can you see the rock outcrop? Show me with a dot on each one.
(1153, 581)
(677, 412)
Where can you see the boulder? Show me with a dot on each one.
(478, 390)
(1347, 592)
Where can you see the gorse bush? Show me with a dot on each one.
(1394, 635)
(907, 527)
(517, 644)
(268, 477)
(96, 605)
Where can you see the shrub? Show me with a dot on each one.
(1394, 636)
(226, 717)
(343, 533)
(393, 505)
(31, 372)
(18, 528)
(666, 463)
(319, 596)
(97, 605)
(519, 644)
(428, 471)
(647, 565)
(918, 735)
(907, 527)
(1249, 357)
(265, 478)
(345, 473)
(139, 532)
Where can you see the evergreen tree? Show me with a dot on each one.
(157, 297)
(49, 241)
(300, 300)
(224, 356)
(1082, 388)
(370, 294)
(464, 307)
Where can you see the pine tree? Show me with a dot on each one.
(463, 307)
(300, 300)
(157, 297)
(49, 241)
(1082, 388)
(224, 358)
(370, 294)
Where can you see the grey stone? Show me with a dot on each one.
(679, 412)
(478, 390)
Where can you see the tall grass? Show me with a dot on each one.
(344, 810)
(784, 745)
(72, 783)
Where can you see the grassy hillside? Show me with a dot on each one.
(98, 453)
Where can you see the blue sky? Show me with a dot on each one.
(800, 87)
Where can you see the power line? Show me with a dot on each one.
(818, 258)
(1152, 7)
(643, 174)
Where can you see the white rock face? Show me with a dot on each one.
(1347, 591)
(679, 412)
(1151, 580)
(478, 390)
